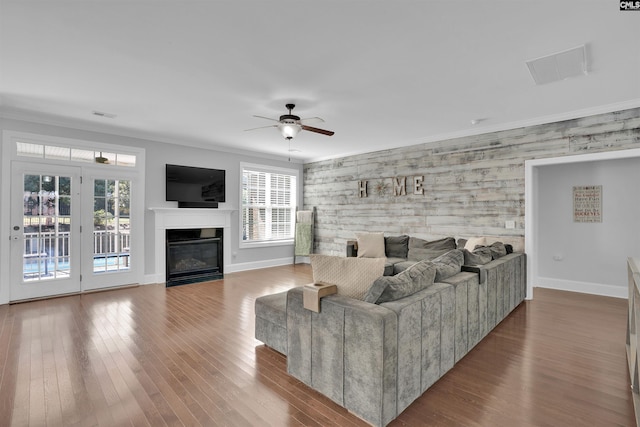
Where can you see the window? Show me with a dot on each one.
(268, 203)
(54, 152)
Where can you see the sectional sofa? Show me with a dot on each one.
(376, 356)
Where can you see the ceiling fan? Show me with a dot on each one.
(101, 159)
(290, 124)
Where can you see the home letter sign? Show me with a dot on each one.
(399, 186)
(362, 187)
(418, 185)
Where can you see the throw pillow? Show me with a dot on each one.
(370, 245)
(352, 276)
(498, 250)
(448, 264)
(479, 256)
(396, 246)
(420, 249)
(475, 241)
(391, 288)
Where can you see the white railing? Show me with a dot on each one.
(46, 244)
(109, 242)
(57, 244)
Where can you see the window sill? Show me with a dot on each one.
(266, 244)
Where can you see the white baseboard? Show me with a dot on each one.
(150, 279)
(234, 268)
(303, 259)
(583, 287)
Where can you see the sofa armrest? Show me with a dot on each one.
(506, 280)
(352, 248)
(478, 269)
(347, 351)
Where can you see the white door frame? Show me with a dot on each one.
(531, 202)
(8, 153)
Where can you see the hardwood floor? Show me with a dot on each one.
(151, 356)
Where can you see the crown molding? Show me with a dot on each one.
(42, 119)
(554, 118)
(47, 120)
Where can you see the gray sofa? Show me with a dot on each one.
(376, 359)
(403, 251)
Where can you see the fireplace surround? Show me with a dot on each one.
(186, 218)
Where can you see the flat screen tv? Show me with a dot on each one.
(195, 187)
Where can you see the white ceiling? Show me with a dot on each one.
(382, 74)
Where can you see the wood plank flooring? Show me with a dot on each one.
(186, 356)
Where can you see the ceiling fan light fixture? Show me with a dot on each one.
(290, 125)
(289, 130)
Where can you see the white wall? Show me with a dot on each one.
(160, 153)
(590, 257)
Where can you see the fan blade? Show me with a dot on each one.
(267, 118)
(262, 127)
(316, 130)
(311, 120)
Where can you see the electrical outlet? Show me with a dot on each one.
(509, 224)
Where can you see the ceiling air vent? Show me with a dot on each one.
(559, 66)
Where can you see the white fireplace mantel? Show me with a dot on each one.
(176, 218)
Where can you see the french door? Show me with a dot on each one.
(45, 230)
(109, 253)
(72, 230)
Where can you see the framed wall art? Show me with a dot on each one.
(587, 203)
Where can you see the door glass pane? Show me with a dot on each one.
(47, 227)
(111, 225)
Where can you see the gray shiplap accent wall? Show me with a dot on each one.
(472, 185)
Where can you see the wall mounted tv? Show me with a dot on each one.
(195, 187)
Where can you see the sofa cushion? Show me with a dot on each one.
(420, 249)
(448, 264)
(472, 242)
(352, 276)
(498, 250)
(479, 256)
(390, 263)
(370, 245)
(517, 245)
(273, 308)
(396, 246)
(391, 288)
(399, 267)
(271, 321)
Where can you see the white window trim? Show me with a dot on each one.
(272, 169)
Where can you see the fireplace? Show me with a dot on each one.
(194, 255)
